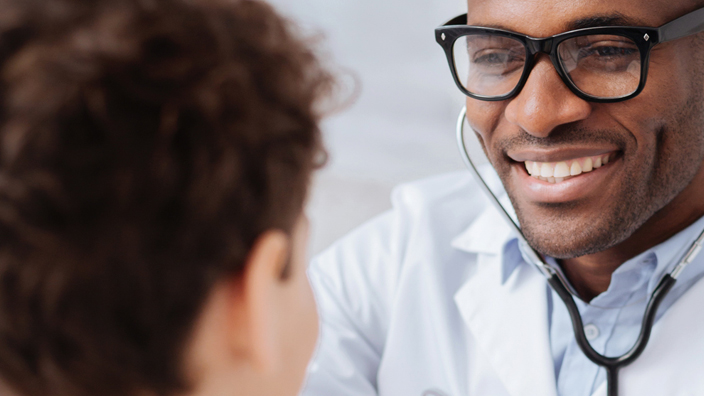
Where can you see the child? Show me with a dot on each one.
(154, 162)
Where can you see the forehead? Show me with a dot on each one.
(540, 18)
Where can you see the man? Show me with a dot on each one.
(597, 137)
(154, 162)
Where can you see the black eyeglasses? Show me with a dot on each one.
(599, 64)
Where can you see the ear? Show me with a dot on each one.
(261, 278)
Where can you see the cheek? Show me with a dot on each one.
(484, 118)
(300, 327)
(309, 318)
(300, 333)
(656, 118)
(664, 97)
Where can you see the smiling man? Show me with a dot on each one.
(592, 115)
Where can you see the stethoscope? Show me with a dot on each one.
(611, 364)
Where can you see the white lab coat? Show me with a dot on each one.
(412, 302)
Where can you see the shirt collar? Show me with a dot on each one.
(669, 253)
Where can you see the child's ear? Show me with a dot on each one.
(256, 312)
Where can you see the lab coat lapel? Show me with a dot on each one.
(509, 322)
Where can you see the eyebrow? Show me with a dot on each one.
(615, 19)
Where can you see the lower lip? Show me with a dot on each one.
(575, 188)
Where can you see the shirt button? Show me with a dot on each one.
(591, 331)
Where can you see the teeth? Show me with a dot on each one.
(575, 169)
(546, 170)
(562, 170)
(587, 167)
(557, 172)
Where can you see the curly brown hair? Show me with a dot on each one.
(144, 146)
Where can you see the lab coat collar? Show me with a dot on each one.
(503, 295)
(509, 321)
(489, 234)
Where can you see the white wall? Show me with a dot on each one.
(401, 127)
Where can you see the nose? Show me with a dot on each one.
(545, 102)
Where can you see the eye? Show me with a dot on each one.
(600, 53)
(491, 58)
(604, 46)
(498, 61)
(608, 50)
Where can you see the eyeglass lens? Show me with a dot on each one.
(602, 66)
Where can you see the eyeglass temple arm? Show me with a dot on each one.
(683, 26)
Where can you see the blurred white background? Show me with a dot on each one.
(401, 127)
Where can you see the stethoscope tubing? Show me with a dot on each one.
(612, 365)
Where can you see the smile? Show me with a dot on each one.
(557, 172)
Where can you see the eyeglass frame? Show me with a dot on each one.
(645, 39)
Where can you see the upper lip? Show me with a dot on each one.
(556, 155)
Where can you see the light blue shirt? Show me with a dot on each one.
(613, 318)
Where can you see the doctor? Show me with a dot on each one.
(602, 169)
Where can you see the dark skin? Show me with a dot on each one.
(655, 184)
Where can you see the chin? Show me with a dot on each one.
(566, 249)
(565, 236)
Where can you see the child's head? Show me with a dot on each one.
(154, 161)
